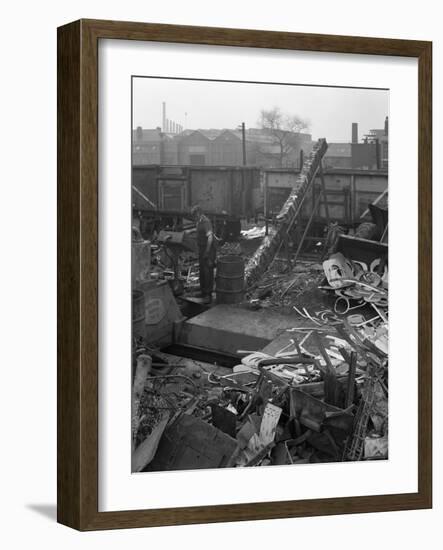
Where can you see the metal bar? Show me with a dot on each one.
(323, 186)
(384, 233)
(288, 251)
(330, 376)
(308, 225)
(351, 379)
(144, 197)
(377, 200)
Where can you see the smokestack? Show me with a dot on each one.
(164, 117)
(386, 126)
(354, 132)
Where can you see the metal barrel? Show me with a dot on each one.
(230, 279)
(138, 314)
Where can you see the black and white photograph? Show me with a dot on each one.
(220, 221)
(260, 319)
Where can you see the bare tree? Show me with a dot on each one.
(283, 129)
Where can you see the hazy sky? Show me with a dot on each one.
(330, 111)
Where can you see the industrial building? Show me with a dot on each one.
(371, 153)
(216, 147)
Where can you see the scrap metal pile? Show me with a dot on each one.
(356, 284)
(279, 289)
(317, 393)
(287, 216)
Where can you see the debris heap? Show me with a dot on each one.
(317, 393)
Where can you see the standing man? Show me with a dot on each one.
(206, 252)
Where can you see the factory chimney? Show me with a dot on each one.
(386, 126)
(164, 117)
(354, 132)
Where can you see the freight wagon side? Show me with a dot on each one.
(349, 192)
(164, 195)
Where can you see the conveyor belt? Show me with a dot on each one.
(287, 217)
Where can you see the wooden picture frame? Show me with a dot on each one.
(78, 273)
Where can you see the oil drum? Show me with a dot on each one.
(230, 279)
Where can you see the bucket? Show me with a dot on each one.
(230, 279)
(138, 314)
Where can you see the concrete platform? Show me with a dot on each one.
(229, 328)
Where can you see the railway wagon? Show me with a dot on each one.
(166, 194)
(348, 192)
